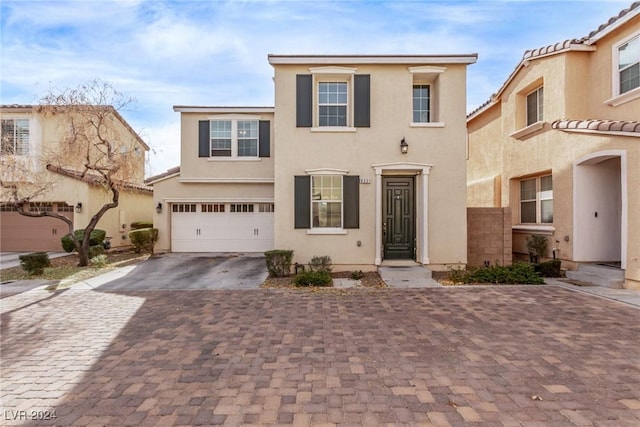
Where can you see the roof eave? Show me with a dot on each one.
(222, 109)
(371, 59)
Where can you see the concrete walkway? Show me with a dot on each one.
(627, 296)
(407, 277)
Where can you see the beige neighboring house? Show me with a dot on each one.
(26, 134)
(362, 158)
(559, 144)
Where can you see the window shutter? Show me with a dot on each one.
(362, 100)
(351, 202)
(204, 139)
(304, 103)
(302, 202)
(264, 136)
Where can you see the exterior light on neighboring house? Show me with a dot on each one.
(404, 147)
(79, 207)
(159, 208)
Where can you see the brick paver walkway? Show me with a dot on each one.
(503, 356)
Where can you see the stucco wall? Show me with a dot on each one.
(303, 149)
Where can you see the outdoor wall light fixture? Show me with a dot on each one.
(404, 147)
(159, 208)
(78, 207)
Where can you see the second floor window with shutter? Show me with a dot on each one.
(15, 137)
(332, 104)
(535, 106)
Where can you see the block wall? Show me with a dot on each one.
(489, 236)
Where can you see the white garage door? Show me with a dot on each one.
(221, 227)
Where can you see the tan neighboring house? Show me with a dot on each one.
(362, 158)
(559, 144)
(26, 134)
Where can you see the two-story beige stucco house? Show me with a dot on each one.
(559, 144)
(362, 158)
(28, 134)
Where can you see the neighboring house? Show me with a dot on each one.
(559, 144)
(361, 159)
(27, 133)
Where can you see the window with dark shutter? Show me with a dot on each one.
(304, 100)
(362, 100)
(204, 138)
(265, 138)
(351, 201)
(302, 202)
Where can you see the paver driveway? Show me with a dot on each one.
(532, 356)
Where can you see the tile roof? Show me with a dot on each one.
(169, 172)
(96, 180)
(593, 125)
(583, 44)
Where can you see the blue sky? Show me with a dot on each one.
(165, 53)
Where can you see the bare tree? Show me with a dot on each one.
(90, 147)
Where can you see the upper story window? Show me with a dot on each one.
(629, 65)
(536, 200)
(332, 104)
(15, 137)
(535, 102)
(234, 138)
(237, 138)
(333, 99)
(421, 103)
(425, 88)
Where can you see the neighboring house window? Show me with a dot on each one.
(535, 106)
(421, 103)
(330, 101)
(629, 65)
(15, 137)
(536, 200)
(326, 201)
(332, 104)
(234, 138)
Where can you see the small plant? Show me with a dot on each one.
(518, 273)
(97, 238)
(537, 246)
(98, 261)
(278, 262)
(549, 268)
(313, 278)
(357, 275)
(320, 264)
(35, 263)
(143, 239)
(141, 224)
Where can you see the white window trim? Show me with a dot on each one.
(616, 97)
(538, 201)
(30, 145)
(426, 124)
(332, 74)
(234, 119)
(539, 109)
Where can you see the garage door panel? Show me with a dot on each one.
(221, 231)
(19, 233)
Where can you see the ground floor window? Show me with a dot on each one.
(536, 200)
(326, 201)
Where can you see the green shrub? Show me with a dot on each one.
(95, 250)
(313, 278)
(143, 239)
(141, 224)
(549, 268)
(537, 245)
(98, 261)
(320, 264)
(357, 275)
(518, 273)
(278, 262)
(35, 262)
(96, 238)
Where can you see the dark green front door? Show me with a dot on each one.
(398, 216)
